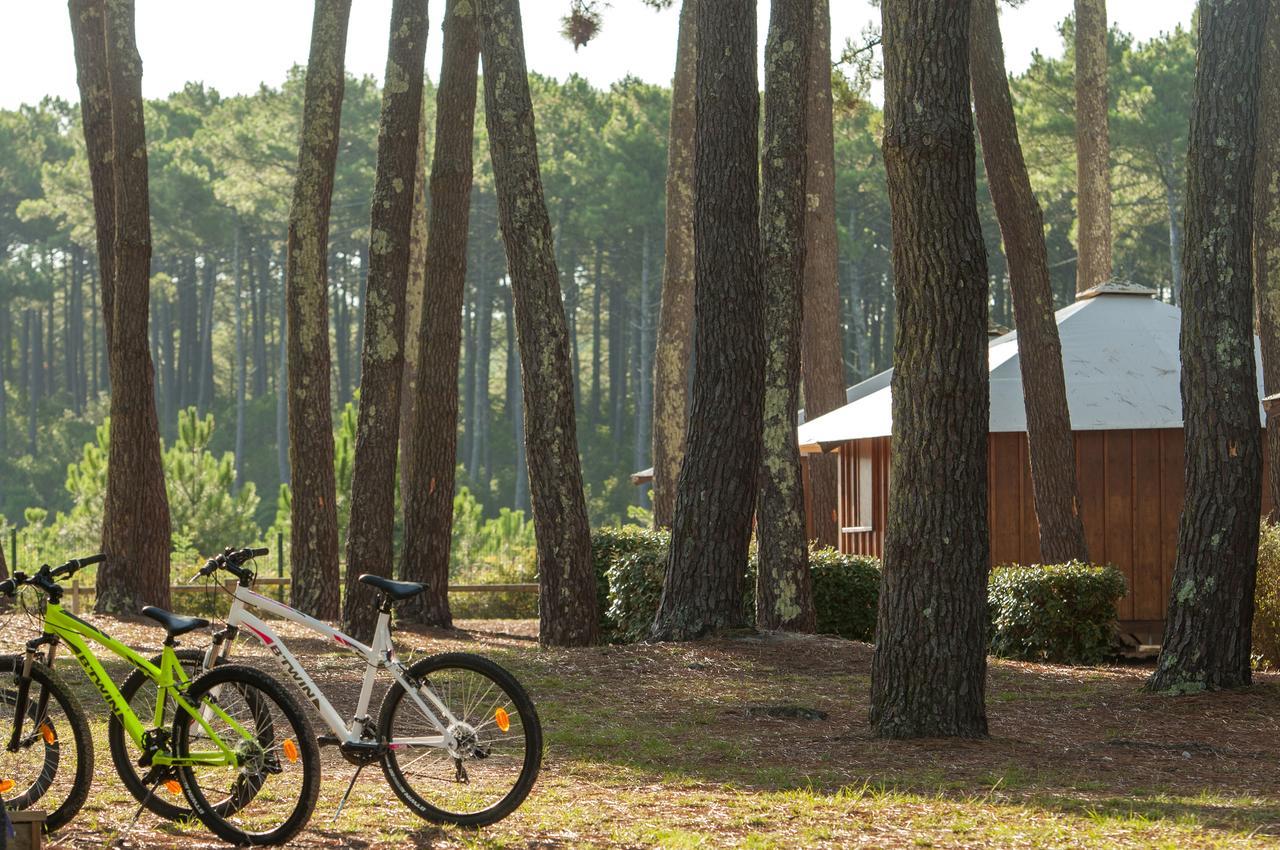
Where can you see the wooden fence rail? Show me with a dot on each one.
(77, 590)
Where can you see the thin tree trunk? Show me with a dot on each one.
(32, 365)
(644, 399)
(242, 366)
(597, 302)
(822, 359)
(928, 672)
(314, 537)
(1093, 146)
(1173, 209)
(784, 591)
(1052, 450)
(428, 524)
(1266, 234)
(413, 297)
(1208, 627)
(370, 533)
(135, 518)
(282, 394)
(675, 315)
(87, 28)
(210, 275)
(483, 353)
(716, 492)
(567, 603)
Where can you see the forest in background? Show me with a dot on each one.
(221, 173)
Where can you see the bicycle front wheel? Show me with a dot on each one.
(485, 767)
(266, 792)
(52, 764)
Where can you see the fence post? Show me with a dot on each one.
(280, 564)
(13, 548)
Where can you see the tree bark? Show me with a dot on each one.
(1266, 234)
(413, 297)
(822, 359)
(1208, 627)
(784, 591)
(135, 517)
(87, 33)
(567, 600)
(675, 312)
(314, 535)
(1051, 447)
(716, 491)
(370, 532)
(929, 668)
(1093, 147)
(428, 524)
(644, 397)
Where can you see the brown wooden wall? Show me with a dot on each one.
(1131, 485)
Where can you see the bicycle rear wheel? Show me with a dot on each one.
(139, 690)
(53, 763)
(267, 795)
(497, 751)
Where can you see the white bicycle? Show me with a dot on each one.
(457, 736)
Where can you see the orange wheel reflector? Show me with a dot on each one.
(503, 719)
(5, 785)
(46, 732)
(173, 786)
(290, 749)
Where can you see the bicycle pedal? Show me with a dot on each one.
(327, 740)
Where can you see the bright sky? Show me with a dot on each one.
(233, 45)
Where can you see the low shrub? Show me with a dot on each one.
(1062, 613)
(633, 560)
(1266, 600)
(846, 590)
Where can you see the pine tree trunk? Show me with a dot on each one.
(1052, 450)
(135, 518)
(597, 305)
(314, 537)
(210, 275)
(675, 316)
(428, 523)
(413, 297)
(715, 495)
(1208, 626)
(822, 359)
(87, 32)
(282, 394)
(644, 399)
(567, 599)
(484, 353)
(1266, 234)
(370, 533)
(1093, 146)
(929, 668)
(241, 364)
(784, 591)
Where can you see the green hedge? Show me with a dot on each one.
(631, 564)
(1061, 613)
(846, 590)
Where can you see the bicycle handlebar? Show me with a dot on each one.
(46, 577)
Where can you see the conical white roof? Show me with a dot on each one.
(1119, 358)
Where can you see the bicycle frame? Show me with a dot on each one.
(169, 678)
(380, 656)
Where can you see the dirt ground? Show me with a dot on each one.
(763, 741)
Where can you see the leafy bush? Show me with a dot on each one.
(1266, 600)
(630, 563)
(846, 590)
(1061, 612)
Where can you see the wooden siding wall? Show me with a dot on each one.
(1131, 486)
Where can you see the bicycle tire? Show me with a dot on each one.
(527, 715)
(10, 667)
(192, 660)
(215, 815)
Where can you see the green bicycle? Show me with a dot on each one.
(234, 741)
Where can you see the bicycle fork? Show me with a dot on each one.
(23, 699)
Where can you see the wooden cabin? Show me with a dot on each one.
(1122, 370)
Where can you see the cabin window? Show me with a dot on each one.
(857, 481)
